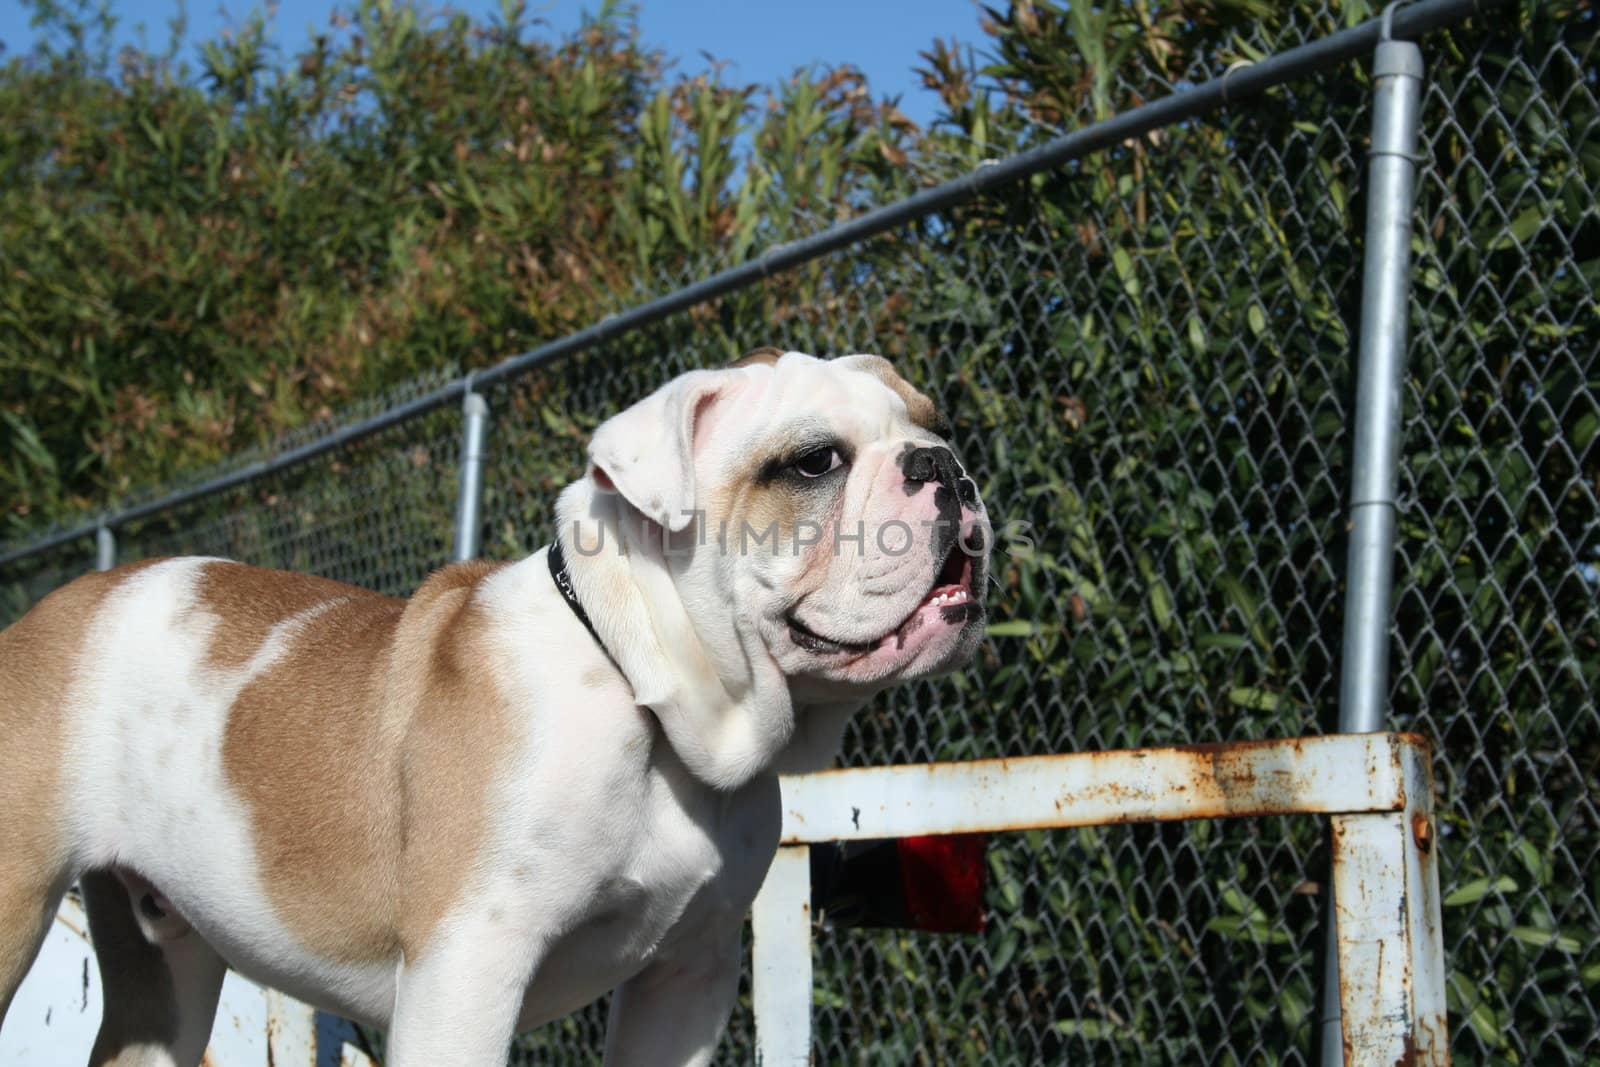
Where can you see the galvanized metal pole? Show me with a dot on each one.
(469, 499)
(1385, 299)
(105, 548)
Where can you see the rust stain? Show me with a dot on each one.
(1228, 751)
(1435, 1044)
(1422, 832)
(1212, 748)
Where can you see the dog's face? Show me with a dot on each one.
(816, 503)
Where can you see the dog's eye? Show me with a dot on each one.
(819, 461)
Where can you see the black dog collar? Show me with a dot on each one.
(563, 580)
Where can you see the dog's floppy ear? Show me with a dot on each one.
(646, 452)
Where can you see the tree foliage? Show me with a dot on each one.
(197, 260)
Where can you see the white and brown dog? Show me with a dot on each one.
(466, 813)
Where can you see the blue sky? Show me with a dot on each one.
(761, 40)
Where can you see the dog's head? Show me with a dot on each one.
(815, 504)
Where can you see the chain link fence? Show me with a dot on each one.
(1147, 355)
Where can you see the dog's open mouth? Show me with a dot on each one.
(950, 596)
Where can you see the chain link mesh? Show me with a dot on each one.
(376, 513)
(1147, 359)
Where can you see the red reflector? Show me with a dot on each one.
(942, 880)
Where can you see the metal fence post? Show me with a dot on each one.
(1385, 299)
(469, 499)
(105, 548)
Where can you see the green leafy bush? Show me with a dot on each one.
(198, 260)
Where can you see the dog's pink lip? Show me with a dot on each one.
(952, 588)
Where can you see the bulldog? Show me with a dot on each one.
(470, 812)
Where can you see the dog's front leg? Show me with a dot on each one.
(457, 1002)
(672, 1013)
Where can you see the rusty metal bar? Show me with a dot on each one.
(781, 960)
(291, 1031)
(1307, 775)
(1390, 941)
(57, 1010)
(299, 1035)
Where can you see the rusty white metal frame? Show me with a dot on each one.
(56, 1014)
(1377, 787)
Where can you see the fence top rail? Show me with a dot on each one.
(1235, 85)
(1331, 775)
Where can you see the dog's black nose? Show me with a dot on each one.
(930, 464)
(937, 464)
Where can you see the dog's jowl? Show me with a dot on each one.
(465, 813)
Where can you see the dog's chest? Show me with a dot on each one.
(660, 863)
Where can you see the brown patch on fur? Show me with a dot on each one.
(764, 356)
(752, 510)
(38, 655)
(923, 412)
(308, 749)
(743, 511)
(361, 751)
(459, 724)
(249, 601)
